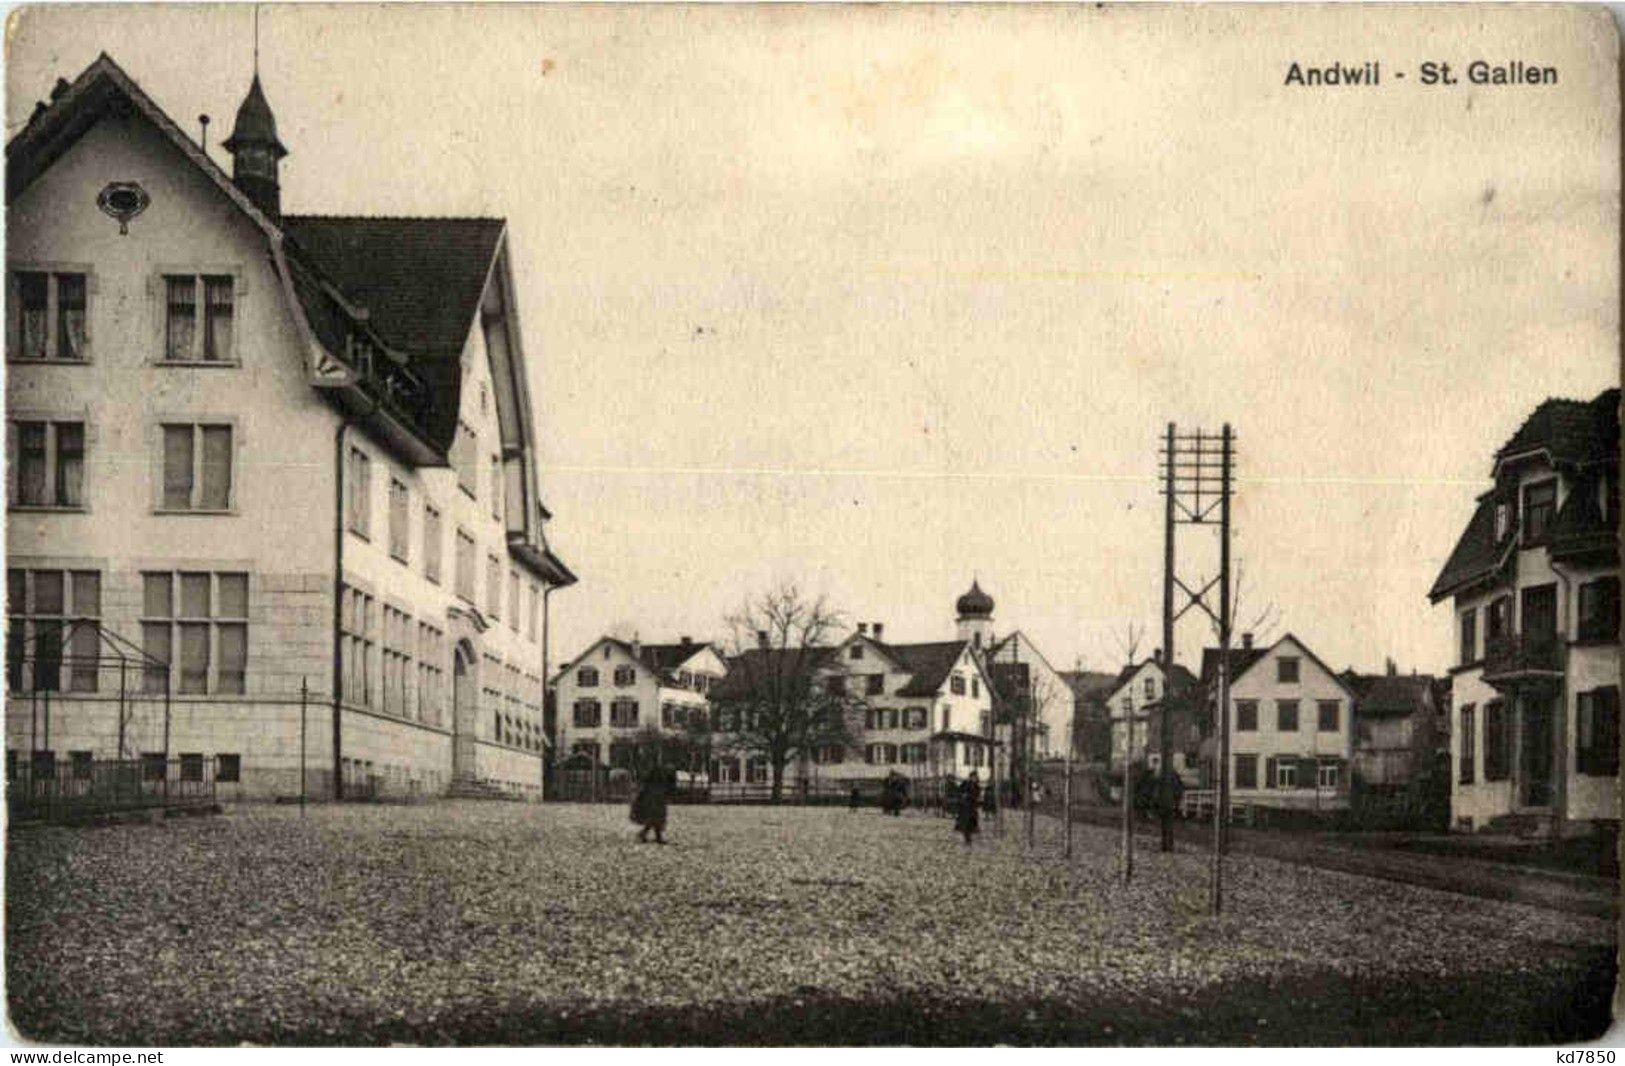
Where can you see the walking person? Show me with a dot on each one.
(970, 808)
(649, 805)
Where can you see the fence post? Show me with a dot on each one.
(304, 698)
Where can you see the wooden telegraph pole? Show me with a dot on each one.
(1197, 469)
(1165, 744)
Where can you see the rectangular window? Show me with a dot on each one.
(623, 713)
(1246, 771)
(154, 766)
(1246, 716)
(48, 319)
(430, 673)
(396, 666)
(1599, 610)
(1286, 772)
(186, 338)
(1286, 670)
(82, 765)
(1466, 746)
(496, 488)
(464, 563)
(463, 450)
(48, 461)
(513, 600)
(54, 620)
(1286, 716)
(586, 714)
(198, 622)
(493, 586)
(1497, 742)
(228, 768)
(359, 494)
(197, 467)
(1539, 504)
(400, 503)
(1497, 620)
(956, 685)
(191, 766)
(432, 546)
(1329, 716)
(875, 684)
(1326, 774)
(1597, 751)
(535, 609)
(1469, 636)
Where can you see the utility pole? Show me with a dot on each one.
(1128, 797)
(1165, 746)
(304, 697)
(1197, 469)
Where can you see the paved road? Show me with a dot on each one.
(1576, 893)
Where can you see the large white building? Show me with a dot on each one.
(271, 452)
(1534, 581)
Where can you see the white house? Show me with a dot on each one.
(617, 689)
(1291, 733)
(1134, 699)
(1534, 582)
(1051, 696)
(268, 453)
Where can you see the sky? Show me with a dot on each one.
(878, 300)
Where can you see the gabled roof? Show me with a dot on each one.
(668, 657)
(1244, 659)
(752, 664)
(1569, 432)
(1177, 676)
(929, 664)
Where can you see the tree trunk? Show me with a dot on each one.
(778, 781)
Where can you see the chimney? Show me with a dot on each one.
(1156, 656)
(685, 641)
(1393, 670)
(1247, 641)
(761, 639)
(637, 647)
(878, 630)
(863, 629)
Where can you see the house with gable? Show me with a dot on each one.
(269, 453)
(617, 690)
(1534, 585)
(1291, 730)
(1134, 698)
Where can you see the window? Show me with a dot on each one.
(1497, 742)
(912, 754)
(1599, 609)
(1469, 636)
(432, 546)
(756, 770)
(1327, 711)
(1246, 716)
(587, 714)
(623, 713)
(1286, 716)
(400, 502)
(1286, 772)
(1497, 620)
(1128, 705)
(1466, 747)
(672, 716)
(826, 754)
(1503, 520)
(1326, 774)
(186, 340)
(47, 319)
(624, 676)
(82, 765)
(1150, 688)
(917, 718)
(54, 619)
(48, 464)
(975, 687)
(154, 766)
(431, 673)
(397, 662)
(496, 488)
(587, 677)
(1597, 712)
(228, 768)
(956, 685)
(881, 754)
(513, 600)
(535, 609)
(197, 466)
(493, 586)
(464, 562)
(1286, 670)
(359, 639)
(463, 448)
(856, 652)
(1539, 504)
(876, 684)
(1246, 771)
(191, 766)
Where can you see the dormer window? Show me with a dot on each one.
(1539, 507)
(1503, 521)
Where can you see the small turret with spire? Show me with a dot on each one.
(255, 150)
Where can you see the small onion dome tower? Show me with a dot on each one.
(256, 152)
(975, 610)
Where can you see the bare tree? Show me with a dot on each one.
(776, 701)
(1129, 642)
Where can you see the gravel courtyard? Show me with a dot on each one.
(492, 923)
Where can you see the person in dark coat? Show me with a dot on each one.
(970, 808)
(649, 805)
(894, 793)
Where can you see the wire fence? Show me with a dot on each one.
(46, 788)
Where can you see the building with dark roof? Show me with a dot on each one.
(269, 452)
(1534, 584)
(1134, 699)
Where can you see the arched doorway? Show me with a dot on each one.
(463, 709)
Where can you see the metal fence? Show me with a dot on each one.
(46, 788)
(582, 786)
